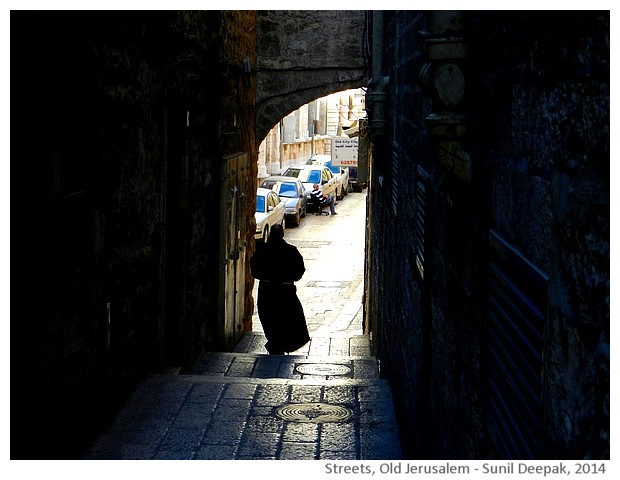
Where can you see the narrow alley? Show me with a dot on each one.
(458, 307)
(325, 401)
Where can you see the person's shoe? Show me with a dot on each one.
(334, 213)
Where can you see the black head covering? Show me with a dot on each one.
(276, 233)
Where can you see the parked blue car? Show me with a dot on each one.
(291, 192)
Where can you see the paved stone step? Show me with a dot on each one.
(227, 417)
(321, 344)
(285, 366)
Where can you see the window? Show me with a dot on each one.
(260, 203)
(314, 176)
(287, 190)
(273, 200)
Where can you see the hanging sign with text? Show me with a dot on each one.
(344, 152)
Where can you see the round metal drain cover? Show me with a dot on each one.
(322, 369)
(314, 413)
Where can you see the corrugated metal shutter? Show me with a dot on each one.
(394, 177)
(421, 181)
(517, 308)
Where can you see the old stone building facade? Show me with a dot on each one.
(135, 139)
(309, 129)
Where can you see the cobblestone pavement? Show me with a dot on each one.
(325, 401)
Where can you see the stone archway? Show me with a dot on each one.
(304, 55)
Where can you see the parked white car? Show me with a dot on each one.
(321, 175)
(340, 173)
(270, 210)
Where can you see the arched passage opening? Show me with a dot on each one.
(332, 287)
(315, 131)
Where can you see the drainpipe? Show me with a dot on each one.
(377, 97)
(376, 94)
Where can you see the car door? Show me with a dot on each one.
(276, 208)
(328, 181)
(339, 179)
(301, 193)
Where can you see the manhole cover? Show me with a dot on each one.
(314, 413)
(322, 369)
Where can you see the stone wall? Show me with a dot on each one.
(511, 176)
(124, 121)
(544, 142)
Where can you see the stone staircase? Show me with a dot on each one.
(247, 405)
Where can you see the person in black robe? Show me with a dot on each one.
(277, 265)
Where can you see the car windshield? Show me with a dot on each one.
(291, 172)
(260, 203)
(286, 190)
(310, 176)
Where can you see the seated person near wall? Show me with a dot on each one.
(323, 199)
